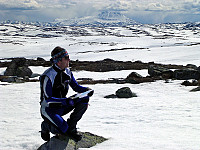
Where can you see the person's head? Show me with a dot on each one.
(60, 57)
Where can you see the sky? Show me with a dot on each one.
(142, 11)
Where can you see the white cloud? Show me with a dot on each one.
(19, 3)
(142, 10)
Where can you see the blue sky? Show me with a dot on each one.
(144, 11)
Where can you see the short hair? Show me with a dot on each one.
(56, 50)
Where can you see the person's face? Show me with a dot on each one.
(64, 63)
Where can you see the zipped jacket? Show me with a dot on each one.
(54, 84)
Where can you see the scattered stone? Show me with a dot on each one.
(12, 79)
(18, 67)
(188, 83)
(160, 71)
(8, 79)
(125, 92)
(186, 74)
(40, 59)
(85, 79)
(134, 75)
(111, 96)
(47, 35)
(195, 89)
(135, 78)
(99, 66)
(192, 66)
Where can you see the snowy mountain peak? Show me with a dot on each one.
(104, 18)
(111, 15)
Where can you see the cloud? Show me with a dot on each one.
(21, 4)
(145, 11)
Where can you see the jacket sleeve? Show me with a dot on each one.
(47, 87)
(75, 86)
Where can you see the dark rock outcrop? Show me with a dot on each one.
(186, 74)
(18, 67)
(98, 66)
(125, 92)
(188, 83)
(195, 89)
(135, 78)
(160, 71)
(111, 96)
(192, 66)
(64, 143)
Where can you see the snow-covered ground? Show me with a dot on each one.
(164, 116)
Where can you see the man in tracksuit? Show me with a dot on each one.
(54, 84)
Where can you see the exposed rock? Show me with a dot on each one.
(18, 67)
(125, 92)
(160, 71)
(186, 74)
(192, 66)
(99, 66)
(112, 65)
(64, 143)
(40, 59)
(188, 83)
(23, 71)
(134, 75)
(111, 96)
(195, 89)
(7, 78)
(136, 78)
(15, 79)
(85, 79)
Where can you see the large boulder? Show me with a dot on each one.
(18, 67)
(133, 78)
(64, 143)
(186, 74)
(192, 66)
(136, 78)
(125, 92)
(160, 71)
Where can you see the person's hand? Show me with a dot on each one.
(91, 93)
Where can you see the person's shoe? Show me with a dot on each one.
(45, 131)
(74, 135)
(45, 136)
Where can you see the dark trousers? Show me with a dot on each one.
(55, 125)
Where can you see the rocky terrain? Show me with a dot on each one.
(173, 50)
(64, 143)
(18, 71)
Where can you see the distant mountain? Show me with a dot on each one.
(104, 18)
(112, 16)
